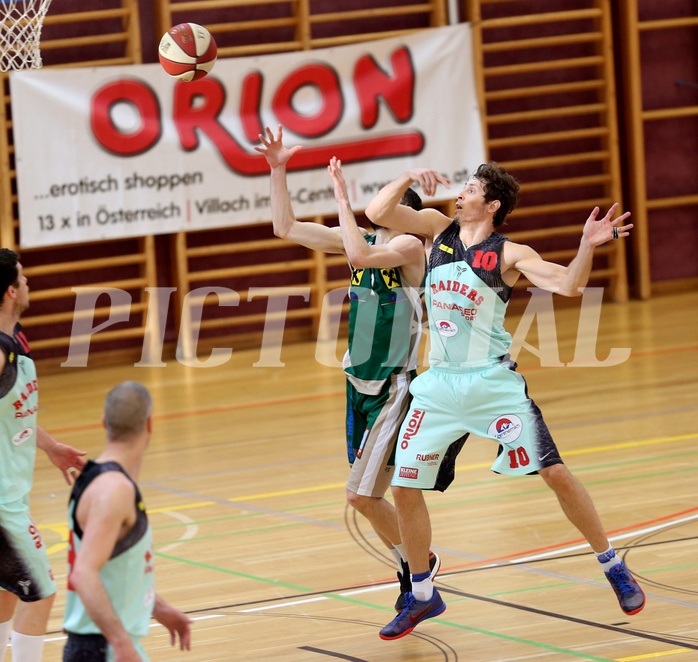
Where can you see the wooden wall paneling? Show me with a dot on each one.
(638, 123)
(243, 268)
(74, 36)
(53, 312)
(549, 107)
(7, 198)
(243, 27)
(618, 274)
(77, 37)
(250, 27)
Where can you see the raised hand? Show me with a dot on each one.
(273, 149)
(598, 231)
(340, 185)
(428, 179)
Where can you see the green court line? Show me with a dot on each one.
(343, 598)
(225, 534)
(235, 573)
(527, 642)
(232, 518)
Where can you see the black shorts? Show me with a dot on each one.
(85, 648)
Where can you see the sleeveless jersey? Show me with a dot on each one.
(19, 403)
(385, 324)
(466, 298)
(128, 574)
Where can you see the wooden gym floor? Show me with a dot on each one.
(244, 482)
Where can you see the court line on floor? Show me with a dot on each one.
(205, 502)
(649, 526)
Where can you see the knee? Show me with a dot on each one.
(361, 504)
(402, 495)
(556, 476)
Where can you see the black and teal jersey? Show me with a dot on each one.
(466, 299)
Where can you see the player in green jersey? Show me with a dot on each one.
(387, 271)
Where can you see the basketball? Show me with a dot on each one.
(187, 51)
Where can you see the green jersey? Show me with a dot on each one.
(128, 575)
(19, 403)
(385, 324)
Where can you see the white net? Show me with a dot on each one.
(20, 33)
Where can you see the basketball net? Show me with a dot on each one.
(20, 33)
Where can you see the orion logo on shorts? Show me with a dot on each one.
(409, 472)
(412, 428)
(506, 428)
(22, 436)
(446, 328)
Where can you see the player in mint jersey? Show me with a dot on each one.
(111, 579)
(27, 589)
(471, 385)
(387, 271)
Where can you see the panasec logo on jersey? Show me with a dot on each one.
(446, 328)
(22, 436)
(506, 428)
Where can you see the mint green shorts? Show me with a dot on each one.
(24, 566)
(448, 405)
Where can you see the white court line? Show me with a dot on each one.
(152, 625)
(293, 603)
(574, 548)
(382, 587)
(283, 604)
(189, 532)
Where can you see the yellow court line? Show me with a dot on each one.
(466, 467)
(649, 656)
(633, 444)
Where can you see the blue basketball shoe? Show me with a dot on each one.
(414, 612)
(628, 591)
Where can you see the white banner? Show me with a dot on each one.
(111, 152)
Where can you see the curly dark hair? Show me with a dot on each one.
(9, 273)
(498, 184)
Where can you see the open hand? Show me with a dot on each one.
(273, 149)
(598, 231)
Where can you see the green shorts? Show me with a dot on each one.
(24, 567)
(448, 405)
(373, 423)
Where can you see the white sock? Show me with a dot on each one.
(26, 647)
(5, 629)
(608, 558)
(396, 557)
(423, 590)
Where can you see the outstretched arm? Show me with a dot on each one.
(66, 458)
(568, 281)
(175, 621)
(308, 234)
(398, 252)
(385, 208)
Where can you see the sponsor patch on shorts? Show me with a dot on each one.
(409, 472)
(506, 428)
